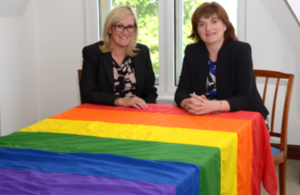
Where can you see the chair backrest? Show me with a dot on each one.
(284, 123)
(79, 78)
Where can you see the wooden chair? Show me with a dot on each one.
(279, 154)
(79, 71)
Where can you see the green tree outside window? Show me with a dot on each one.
(147, 14)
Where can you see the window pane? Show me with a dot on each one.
(184, 10)
(147, 14)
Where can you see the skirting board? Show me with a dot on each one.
(293, 151)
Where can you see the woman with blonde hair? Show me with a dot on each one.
(217, 71)
(118, 70)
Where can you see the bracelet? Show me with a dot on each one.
(184, 104)
(222, 106)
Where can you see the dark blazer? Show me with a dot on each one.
(97, 85)
(234, 77)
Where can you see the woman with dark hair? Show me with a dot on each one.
(118, 70)
(217, 71)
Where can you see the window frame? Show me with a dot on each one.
(91, 21)
(166, 87)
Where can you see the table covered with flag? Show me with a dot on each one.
(96, 149)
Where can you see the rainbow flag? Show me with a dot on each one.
(158, 150)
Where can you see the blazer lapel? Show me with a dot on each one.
(221, 68)
(107, 63)
(201, 70)
(138, 69)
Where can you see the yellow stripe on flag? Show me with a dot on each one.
(226, 141)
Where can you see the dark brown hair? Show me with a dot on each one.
(207, 10)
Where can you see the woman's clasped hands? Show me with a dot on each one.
(198, 105)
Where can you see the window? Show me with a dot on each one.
(147, 14)
(164, 26)
(184, 10)
(294, 6)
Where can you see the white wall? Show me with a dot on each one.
(46, 43)
(274, 36)
(18, 71)
(40, 53)
(60, 39)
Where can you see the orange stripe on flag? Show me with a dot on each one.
(242, 127)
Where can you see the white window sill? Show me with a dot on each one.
(165, 99)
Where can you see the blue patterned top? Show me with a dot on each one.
(211, 89)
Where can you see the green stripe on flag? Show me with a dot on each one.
(208, 158)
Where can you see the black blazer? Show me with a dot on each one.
(234, 77)
(97, 85)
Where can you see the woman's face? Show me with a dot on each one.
(211, 30)
(121, 40)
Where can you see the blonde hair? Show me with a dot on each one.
(114, 16)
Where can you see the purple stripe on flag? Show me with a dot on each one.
(14, 181)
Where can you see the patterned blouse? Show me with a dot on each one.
(124, 78)
(211, 89)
